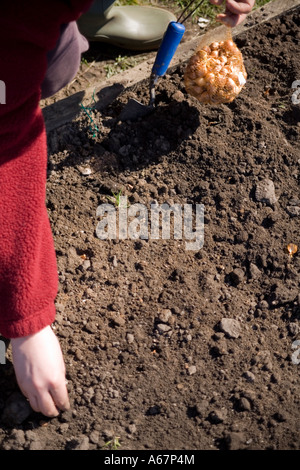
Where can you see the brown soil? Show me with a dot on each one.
(148, 357)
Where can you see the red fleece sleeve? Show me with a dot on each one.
(28, 272)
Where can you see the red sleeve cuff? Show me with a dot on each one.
(29, 325)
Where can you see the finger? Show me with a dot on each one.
(60, 396)
(230, 19)
(46, 404)
(31, 398)
(239, 7)
(33, 401)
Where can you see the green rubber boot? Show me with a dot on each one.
(131, 27)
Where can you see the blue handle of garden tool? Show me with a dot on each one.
(167, 49)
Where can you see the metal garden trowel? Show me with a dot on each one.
(172, 37)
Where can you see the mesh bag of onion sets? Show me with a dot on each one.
(216, 73)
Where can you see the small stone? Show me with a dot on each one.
(271, 219)
(94, 437)
(263, 304)
(202, 407)
(262, 144)
(86, 264)
(36, 445)
(30, 435)
(78, 354)
(220, 349)
(98, 398)
(284, 294)
(85, 171)
(91, 327)
(249, 376)
(82, 443)
(263, 360)
(18, 437)
(265, 192)
(237, 276)
(218, 416)
(118, 320)
(63, 428)
(89, 393)
(66, 416)
(114, 262)
(35, 442)
(294, 201)
(293, 211)
(242, 236)
(130, 338)
(108, 434)
(90, 293)
(8, 445)
(249, 394)
(165, 315)
(192, 370)
(60, 308)
(131, 428)
(73, 260)
(163, 328)
(231, 327)
(235, 440)
(178, 96)
(294, 328)
(255, 272)
(275, 378)
(244, 404)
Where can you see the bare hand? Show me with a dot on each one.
(40, 371)
(236, 11)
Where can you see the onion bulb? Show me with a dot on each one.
(216, 73)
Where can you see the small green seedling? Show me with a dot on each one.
(114, 444)
(116, 199)
(120, 64)
(84, 61)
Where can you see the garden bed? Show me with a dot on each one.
(153, 358)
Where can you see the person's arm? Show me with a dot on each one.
(28, 271)
(236, 11)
